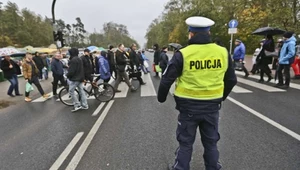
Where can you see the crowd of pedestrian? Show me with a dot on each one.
(281, 56)
(73, 70)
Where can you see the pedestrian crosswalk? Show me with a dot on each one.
(244, 86)
(238, 89)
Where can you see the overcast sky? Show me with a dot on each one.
(135, 14)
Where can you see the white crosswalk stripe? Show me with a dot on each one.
(148, 89)
(292, 85)
(259, 85)
(238, 89)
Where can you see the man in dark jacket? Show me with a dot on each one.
(156, 56)
(88, 65)
(39, 64)
(200, 90)
(76, 78)
(112, 61)
(164, 59)
(135, 61)
(57, 68)
(11, 70)
(121, 62)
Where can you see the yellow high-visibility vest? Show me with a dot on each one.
(204, 68)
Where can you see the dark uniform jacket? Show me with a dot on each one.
(174, 71)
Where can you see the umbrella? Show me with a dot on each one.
(102, 49)
(92, 48)
(8, 51)
(175, 45)
(268, 31)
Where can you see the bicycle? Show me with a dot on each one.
(133, 74)
(103, 92)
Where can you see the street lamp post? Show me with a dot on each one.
(53, 12)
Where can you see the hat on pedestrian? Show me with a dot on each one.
(237, 40)
(86, 50)
(288, 34)
(199, 24)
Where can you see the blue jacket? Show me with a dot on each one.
(104, 69)
(239, 52)
(288, 51)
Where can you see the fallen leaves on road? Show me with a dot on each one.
(5, 104)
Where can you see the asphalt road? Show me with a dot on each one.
(259, 127)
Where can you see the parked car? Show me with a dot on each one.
(150, 50)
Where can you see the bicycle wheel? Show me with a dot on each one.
(105, 92)
(66, 98)
(135, 83)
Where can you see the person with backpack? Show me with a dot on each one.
(287, 57)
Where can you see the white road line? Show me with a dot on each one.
(268, 120)
(238, 89)
(259, 85)
(292, 85)
(87, 141)
(148, 89)
(96, 112)
(124, 90)
(42, 99)
(66, 152)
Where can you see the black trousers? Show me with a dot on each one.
(286, 68)
(274, 64)
(57, 78)
(113, 70)
(35, 80)
(264, 69)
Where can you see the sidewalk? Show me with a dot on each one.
(5, 99)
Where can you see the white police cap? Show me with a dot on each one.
(198, 23)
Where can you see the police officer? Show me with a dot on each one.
(205, 77)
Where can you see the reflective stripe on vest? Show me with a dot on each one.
(204, 68)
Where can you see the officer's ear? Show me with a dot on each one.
(191, 34)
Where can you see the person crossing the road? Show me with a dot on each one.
(239, 55)
(76, 78)
(121, 62)
(205, 77)
(156, 57)
(287, 56)
(112, 61)
(57, 69)
(163, 59)
(135, 62)
(11, 71)
(88, 65)
(104, 69)
(31, 74)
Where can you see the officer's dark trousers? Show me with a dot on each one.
(186, 133)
